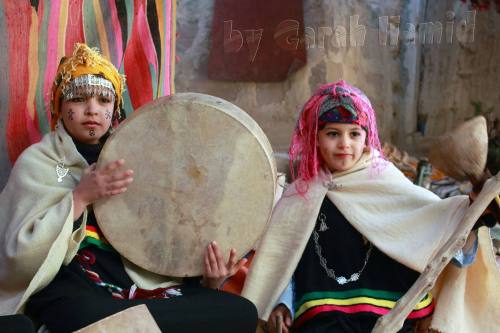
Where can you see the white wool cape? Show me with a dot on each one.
(36, 222)
(405, 221)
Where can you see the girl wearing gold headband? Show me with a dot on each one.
(55, 264)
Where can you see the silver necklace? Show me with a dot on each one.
(322, 260)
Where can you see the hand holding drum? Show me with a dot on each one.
(203, 171)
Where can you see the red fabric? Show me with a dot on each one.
(21, 129)
(256, 40)
(136, 63)
(74, 28)
(158, 293)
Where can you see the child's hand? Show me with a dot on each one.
(97, 183)
(280, 314)
(216, 271)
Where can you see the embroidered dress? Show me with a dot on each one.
(346, 281)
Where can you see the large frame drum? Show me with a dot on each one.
(203, 171)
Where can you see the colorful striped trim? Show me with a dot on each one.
(93, 236)
(378, 302)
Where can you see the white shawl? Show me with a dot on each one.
(406, 222)
(36, 222)
(36, 219)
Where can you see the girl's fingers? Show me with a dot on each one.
(208, 267)
(89, 169)
(117, 191)
(121, 175)
(218, 255)
(275, 323)
(113, 165)
(288, 319)
(232, 258)
(119, 184)
(238, 266)
(244, 268)
(241, 263)
(212, 257)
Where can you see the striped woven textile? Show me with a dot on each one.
(137, 35)
(377, 302)
(94, 236)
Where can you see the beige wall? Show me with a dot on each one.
(464, 67)
(401, 78)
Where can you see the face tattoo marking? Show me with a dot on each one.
(108, 114)
(70, 114)
(92, 132)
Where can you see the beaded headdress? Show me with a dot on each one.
(333, 102)
(88, 85)
(86, 71)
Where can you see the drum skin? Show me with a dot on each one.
(203, 171)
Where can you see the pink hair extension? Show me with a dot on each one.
(303, 148)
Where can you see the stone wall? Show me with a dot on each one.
(275, 105)
(461, 68)
(401, 71)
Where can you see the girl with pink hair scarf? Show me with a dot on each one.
(351, 232)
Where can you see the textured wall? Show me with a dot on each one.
(332, 55)
(399, 69)
(463, 67)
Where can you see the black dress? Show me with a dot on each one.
(95, 285)
(370, 281)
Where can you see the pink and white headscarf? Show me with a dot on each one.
(332, 102)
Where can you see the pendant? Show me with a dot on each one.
(61, 171)
(323, 226)
(341, 280)
(331, 185)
